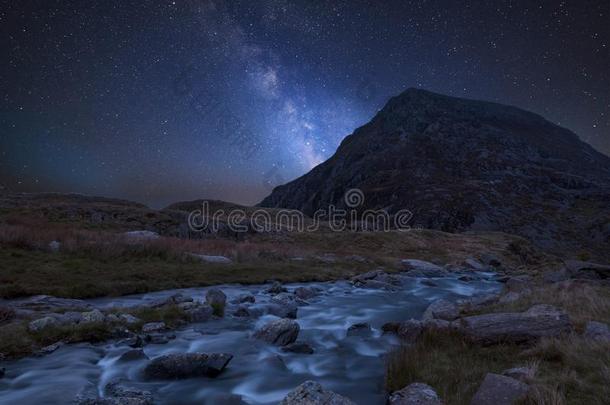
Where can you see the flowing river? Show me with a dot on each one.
(259, 373)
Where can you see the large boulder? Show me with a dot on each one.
(442, 309)
(499, 390)
(305, 293)
(215, 297)
(420, 268)
(279, 332)
(538, 321)
(186, 365)
(415, 394)
(312, 393)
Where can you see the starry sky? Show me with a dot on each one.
(162, 101)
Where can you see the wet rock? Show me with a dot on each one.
(95, 316)
(306, 293)
(215, 297)
(49, 349)
(359, 329)
(283, 311)
(134, 341)
(597, 331)
(179, 298)
(376, 276)
(499, 390)
(153, 327)
(128, 395)
(420, 268)
(159, 339)
(279, 332)
(131, 355)
(275, 288)
(129, 319)
(312, 393)
(474, 264)
(186, 365)
(519, 373)
(442, 309)
(199, 313)
(429, 283)
(539, 321)
(244, 298)
(302, 348)
(415, 394)
(242, 312)
(40, 324)
(377, 285)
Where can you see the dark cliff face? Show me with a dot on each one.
(466, 165)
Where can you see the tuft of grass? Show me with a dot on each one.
(449, 363)
(218, 309)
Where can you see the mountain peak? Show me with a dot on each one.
(461, 164)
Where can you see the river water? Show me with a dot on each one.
(259, 373)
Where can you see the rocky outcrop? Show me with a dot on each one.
(415, 394)
(186, 365)
(279, 332)
(539, 321)
(312, 393)
(499, 390)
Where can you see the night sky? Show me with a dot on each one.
(161, 101)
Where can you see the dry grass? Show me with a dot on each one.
(570, 370)
(582, 301)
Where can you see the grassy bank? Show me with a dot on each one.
(570, 370)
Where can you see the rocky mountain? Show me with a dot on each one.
(460, 165)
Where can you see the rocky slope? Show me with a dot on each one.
(461, 165)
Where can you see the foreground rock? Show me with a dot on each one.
(415, 394)
(116, 394)
(538, 321)
(499, 390)
(312, 393)
(279, 332)
(186, 365)
(442, 309)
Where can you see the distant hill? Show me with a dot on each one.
(463, 165)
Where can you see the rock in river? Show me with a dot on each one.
(312, 393)
(186, 365)
(279, 332)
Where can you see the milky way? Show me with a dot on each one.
(161, 101)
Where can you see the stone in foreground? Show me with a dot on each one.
(520, 327)
(312, 393)
(186, 365)
(499, 390)
(442, 309)
(415, 394)
(279, 332)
